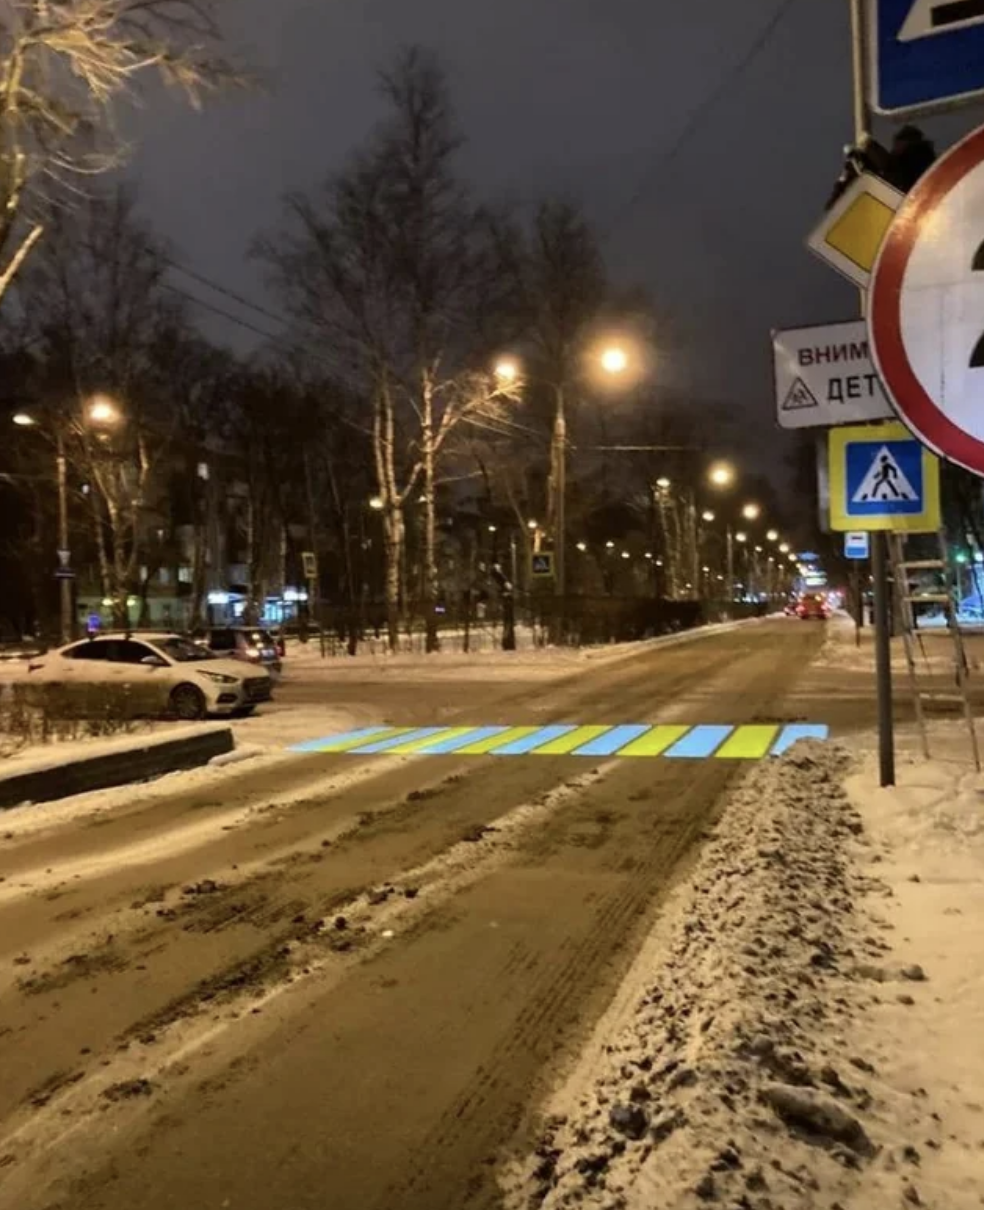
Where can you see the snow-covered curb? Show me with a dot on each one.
(737, 1065)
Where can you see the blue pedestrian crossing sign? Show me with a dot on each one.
(856, 545)
(542, 565)
(881, 477)
(925, 54)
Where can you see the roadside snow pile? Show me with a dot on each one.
(734, 1078)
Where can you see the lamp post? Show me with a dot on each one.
(100, 410)
(614, 361)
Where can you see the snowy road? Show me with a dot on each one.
(328, 981)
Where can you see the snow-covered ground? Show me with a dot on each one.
(845, 647)
(803, 1027)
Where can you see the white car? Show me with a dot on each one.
(166, 673)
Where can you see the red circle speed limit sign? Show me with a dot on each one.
(926, 307)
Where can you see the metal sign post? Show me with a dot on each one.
(879, 549)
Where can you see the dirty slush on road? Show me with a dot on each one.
(736, 1067)
(437, 989)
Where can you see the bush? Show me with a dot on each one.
(45, 712)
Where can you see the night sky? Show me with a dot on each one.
(579, 97)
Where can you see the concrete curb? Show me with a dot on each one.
(143, 761)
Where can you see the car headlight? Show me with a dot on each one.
(219, 678)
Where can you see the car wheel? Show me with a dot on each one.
(188, 703)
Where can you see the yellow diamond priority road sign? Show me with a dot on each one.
(851, 232)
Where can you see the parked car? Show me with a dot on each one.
(813, 607)
(248, 643)
(167, 674)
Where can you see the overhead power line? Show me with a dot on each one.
(697, 118)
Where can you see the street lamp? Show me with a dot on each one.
(376, 504)
(662, 483)
(751, 512)
(506, 370)
(707, 515)
(741, 536)
(98, 410)
(772, 535)
(582, 547)
(784, 548)
(102, 410)
(614, 360)
(721, 474)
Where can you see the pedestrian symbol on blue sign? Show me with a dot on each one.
(884, 480)
(926, 53)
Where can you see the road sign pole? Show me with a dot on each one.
(879, 543)
(883, 659)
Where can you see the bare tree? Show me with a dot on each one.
(95, 308)
(64, 67)
(391, 266)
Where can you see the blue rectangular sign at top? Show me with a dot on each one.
(925, 54)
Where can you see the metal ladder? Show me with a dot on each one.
(944, 595)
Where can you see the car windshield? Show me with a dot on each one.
(184, 650)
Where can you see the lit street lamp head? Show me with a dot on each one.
(614, 360)
(741, 537)
(662, 483)
(531, 524)
(707, 515)
(751, 512)
(784, 548)
(102, 410)
(507, 370)
(23, 419)
(721, 474)
(376, 503)
(773, 535)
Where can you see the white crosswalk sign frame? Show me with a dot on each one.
(882, 478)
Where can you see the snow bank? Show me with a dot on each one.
(766, 1049)
(934, 649)
(304, 662)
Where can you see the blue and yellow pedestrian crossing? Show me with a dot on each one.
(675, 741)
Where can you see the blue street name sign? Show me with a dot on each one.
(925, 54)
(856, 545)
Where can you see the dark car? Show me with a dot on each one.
(249, 643)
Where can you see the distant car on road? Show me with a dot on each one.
(169, 674)
(813, 608)
(249, 643)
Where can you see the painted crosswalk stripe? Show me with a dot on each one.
(794, 731)
(404, 736)
(700, 741)
(750, 742)
(431, 743)
(465, 738)
(613, 740)
(527, 743)
(502, 735)
(656, 740)
(348, 739)
(573, 739)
